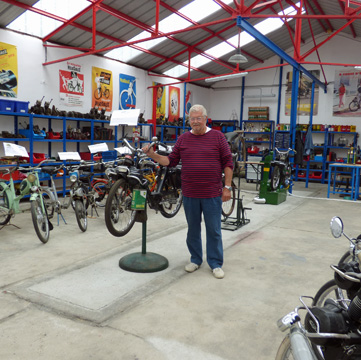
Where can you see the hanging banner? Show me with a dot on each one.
(71, 86)
(8, 70)
(127, 92)
(188, 102)
(304, 94)
(159, 101)
(347, 93)
(174, 101)
(102, 89)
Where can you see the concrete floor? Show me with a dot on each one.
(69, 299)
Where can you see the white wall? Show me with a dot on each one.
(36, 80)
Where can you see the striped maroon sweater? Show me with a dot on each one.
(203, 159)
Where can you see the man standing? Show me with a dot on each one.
(205, 154)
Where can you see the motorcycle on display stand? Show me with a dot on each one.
(332, 322)
(281, 169)
(162, 186)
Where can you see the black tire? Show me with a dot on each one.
(346, 258)
(48, 203)
(4, 210)
(40, 219)
(169, 210)
(101, 193)
(119, 217)
(228, 206)
(354, 106)
(80, 214)
(275, 178)
(330, 290)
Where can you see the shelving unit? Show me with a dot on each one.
(258, 133)
(224, 125)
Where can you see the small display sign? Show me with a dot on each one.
(139, 199)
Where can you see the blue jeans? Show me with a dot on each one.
(212, 211)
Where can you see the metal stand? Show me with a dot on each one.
(8, 224)
(234, 223)
(143, 262)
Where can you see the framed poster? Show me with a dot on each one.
(8, 70)
(102, 89)
(174, 101)
(127, 92)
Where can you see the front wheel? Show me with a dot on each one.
(40, 219)
(119, 217)
(80, 214)
(4, 209)
(275, 178)
(169, 209)
(284, 351)
(354, 105)
(228, 206)
(48, 202)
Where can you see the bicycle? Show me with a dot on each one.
(127, 95)
(10, 201)
(99, 92)
(355, 104)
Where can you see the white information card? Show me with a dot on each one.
(15, 150)
(69, 155)
(125, 117)
(98, 148)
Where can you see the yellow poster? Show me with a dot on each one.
(102, 89)
(8, 70)
(159, 101)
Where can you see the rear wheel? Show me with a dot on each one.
(80, 214)
(228, 206)
(40, 219)
(4, 209)
(354, 106)
(119, 217)
(101, 193)
(169, 209)
(275, 178)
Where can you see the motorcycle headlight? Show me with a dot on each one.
(73, 176)
(34, 188)
(32, 178)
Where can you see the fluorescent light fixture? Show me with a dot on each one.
(226, 77)
(357, 67)
(258, 96)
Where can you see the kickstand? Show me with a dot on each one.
(62, 218)
(8, 224)
(91, 213)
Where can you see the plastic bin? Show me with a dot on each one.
(21, 106)
(7, 105)
(26, 133)
(109, 155)
(87, 156)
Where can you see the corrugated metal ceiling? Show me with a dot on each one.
(118, 21)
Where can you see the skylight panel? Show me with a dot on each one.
(39, 25)
(265, 27)
(196, 10)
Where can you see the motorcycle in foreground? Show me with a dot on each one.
(332, 323)
(162, 186)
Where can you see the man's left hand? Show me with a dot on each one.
(226, 195)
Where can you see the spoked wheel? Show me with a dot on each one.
(80, 214)
(228, 206)
(275, 178)
(169, 209)
(119, 217)
(101, 193)
(4, 209)
(40, 219)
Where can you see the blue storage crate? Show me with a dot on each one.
(109, 155)
(26, 133)
(7, 105)
(21, 106)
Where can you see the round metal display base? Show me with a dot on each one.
(143, 263)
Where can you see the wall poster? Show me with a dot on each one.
(159, 101)
(71, 85)
(102, 89)
(304, 94)
(127, 92)
(174, 101)
(8, 70)
(347, 93)
(188, 102)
